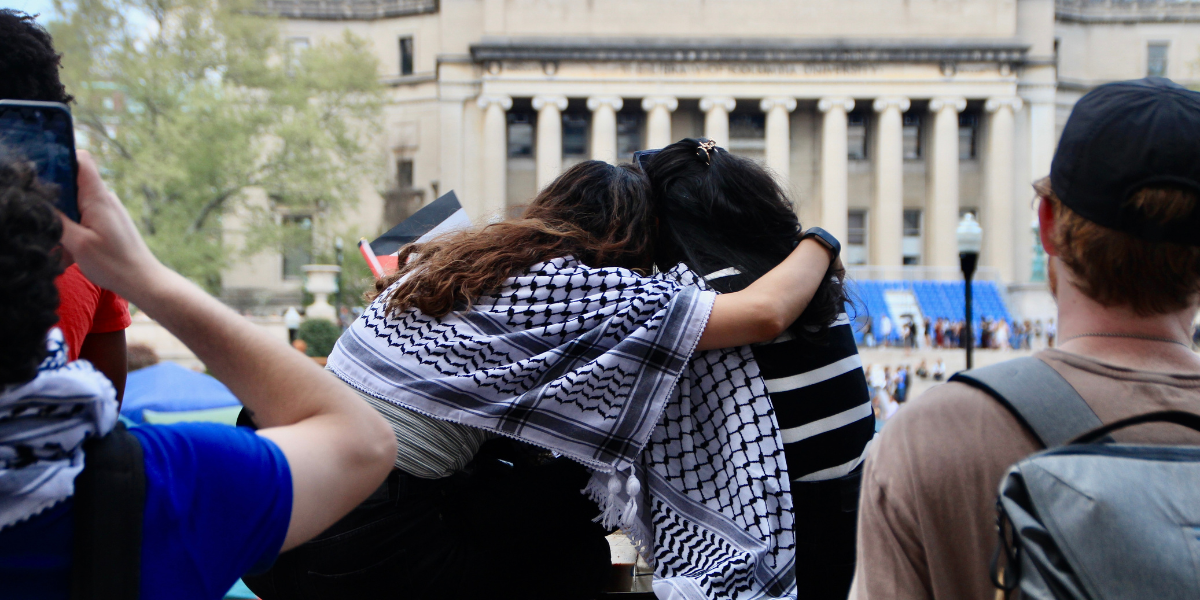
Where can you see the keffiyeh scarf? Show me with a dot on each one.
(719, 447)
(597, 364)
(43, 424)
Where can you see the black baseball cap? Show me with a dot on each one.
(1125, 136)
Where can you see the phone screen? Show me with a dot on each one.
(42, 132)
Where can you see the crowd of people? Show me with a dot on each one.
(657, 347)
(994, 334)
(891, 386)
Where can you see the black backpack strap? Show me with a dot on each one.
(1038, 396)
(110, 498)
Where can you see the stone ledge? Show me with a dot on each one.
(744, 50)
(1124, 12)
(345, 10)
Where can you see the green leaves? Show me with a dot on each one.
(198, 107)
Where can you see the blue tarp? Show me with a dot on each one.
(168, 387)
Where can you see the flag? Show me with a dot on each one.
(443, 215)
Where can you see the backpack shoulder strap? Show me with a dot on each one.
(110, 498)
(1038, 396)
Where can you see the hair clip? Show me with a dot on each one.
(707, 145)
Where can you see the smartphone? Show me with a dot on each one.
(42, 132)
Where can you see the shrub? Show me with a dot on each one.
(320, 335)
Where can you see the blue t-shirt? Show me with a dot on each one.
(218, 503)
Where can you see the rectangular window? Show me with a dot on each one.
(912, 137)
(856, 238)
(912, 222)
(747, 126)
(1156, 59)
(856, 227)
(406, 56)
(574, 134)
(404, 174)
(856, 136)
(295, 48)
(911, 241)
(968, 134)
(629, 135)
(520, 134)
(297, 245)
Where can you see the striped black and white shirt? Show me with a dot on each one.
(821, 399)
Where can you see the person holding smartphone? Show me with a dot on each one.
(209, 502)
(92, 319)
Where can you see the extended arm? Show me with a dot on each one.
(337, 447)
(768, 306)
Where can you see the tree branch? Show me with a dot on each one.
(209, 207)
(94, 124)
(148, 217)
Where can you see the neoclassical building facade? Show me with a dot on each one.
(885, 119)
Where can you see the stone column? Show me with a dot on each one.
(834, 164)
(495, 156)
(549, 138)
(941, 205)
(658, 120)
(997, 216)
(779, 136)
(887, 208)
(716, 118)
(1042, 137)
(604, 127)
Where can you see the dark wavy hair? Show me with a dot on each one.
(28, 63)
(717, 210)
(596, 212)
(30, 259)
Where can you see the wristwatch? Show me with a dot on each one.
(824, 237)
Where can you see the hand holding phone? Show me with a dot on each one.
(42, 132)
(106, 244)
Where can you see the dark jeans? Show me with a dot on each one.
(514, 525)
(826, 526)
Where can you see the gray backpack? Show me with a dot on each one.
(1088, 518)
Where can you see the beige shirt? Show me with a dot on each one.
(927, 520)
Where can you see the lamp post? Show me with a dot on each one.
(970, 240)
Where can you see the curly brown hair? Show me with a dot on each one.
(30, 259)
(596, 212)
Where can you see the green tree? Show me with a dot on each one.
(195, 106)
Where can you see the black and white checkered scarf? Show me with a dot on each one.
(598, 365)
(43, 424)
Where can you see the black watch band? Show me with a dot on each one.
(825, 238)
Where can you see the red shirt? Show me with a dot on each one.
(84, 307)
